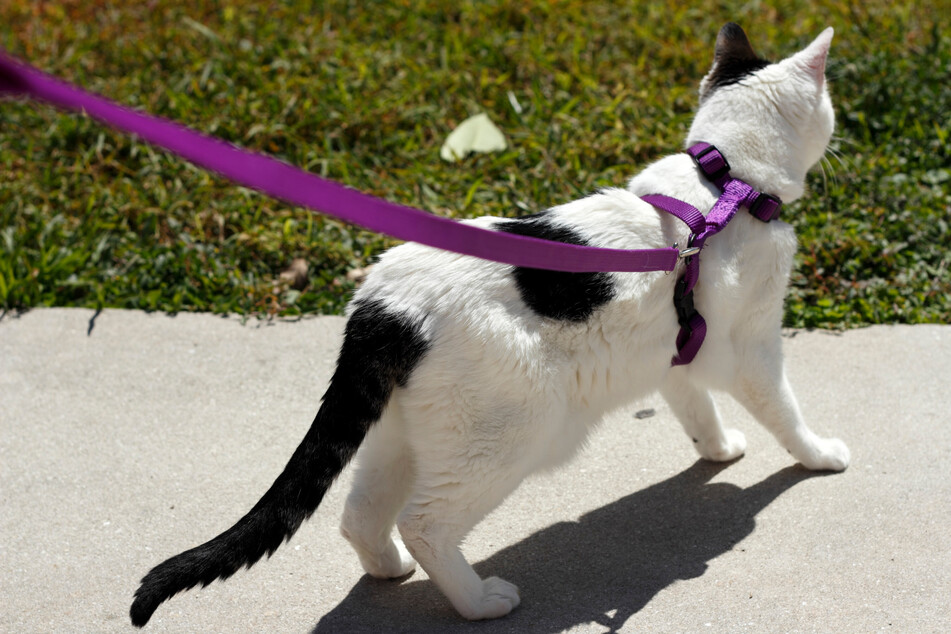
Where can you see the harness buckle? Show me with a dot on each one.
(766, 207)
(717, 172)
(683, 302)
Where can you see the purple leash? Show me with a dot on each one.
(291, 184)
(734, 194)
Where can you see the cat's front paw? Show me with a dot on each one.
(730, 446)
(826, 454)
(499, 597)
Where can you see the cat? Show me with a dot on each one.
(458, 377)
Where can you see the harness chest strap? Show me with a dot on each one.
(734, 194)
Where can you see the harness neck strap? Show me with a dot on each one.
(716, 169)
(734, 194)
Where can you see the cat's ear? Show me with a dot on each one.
(733, 47)
(812, 59)
(733, 60)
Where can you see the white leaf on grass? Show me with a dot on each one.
(475, 134)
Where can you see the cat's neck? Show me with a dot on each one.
(677, 175)
(762, 162)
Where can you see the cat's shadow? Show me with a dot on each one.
(612, 561)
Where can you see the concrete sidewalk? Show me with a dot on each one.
(128, 438)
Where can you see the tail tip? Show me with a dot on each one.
(141, 610)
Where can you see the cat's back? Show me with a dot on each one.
(425, 281)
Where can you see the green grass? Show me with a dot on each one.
(365, 92)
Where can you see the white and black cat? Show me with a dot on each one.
(459, 377)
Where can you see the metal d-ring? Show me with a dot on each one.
(690, 250)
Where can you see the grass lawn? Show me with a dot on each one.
(366, 92)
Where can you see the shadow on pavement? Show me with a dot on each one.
(615, 559)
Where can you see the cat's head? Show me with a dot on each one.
(773, 121)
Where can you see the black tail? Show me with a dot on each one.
(379, 351)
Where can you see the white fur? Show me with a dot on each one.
(503, 393)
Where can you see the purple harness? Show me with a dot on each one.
(296, 186)
(734, 193)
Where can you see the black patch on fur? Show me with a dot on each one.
(734, 59)
(380, 350)
(556, 294)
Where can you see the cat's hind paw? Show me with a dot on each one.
(402, 565)
(392, 563)
(826, 454)
(730, 446)
(499, 597)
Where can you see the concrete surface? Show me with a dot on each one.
(127, 438)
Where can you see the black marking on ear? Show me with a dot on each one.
(556, 294)
(734, 59)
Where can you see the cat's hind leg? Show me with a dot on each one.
(696, 411)
(382, 484)
(446, 505)
(433, 536)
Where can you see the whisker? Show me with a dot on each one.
(836, 152)
(844, 161)
(843, 139)
(825, 179)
